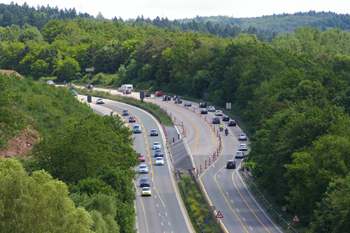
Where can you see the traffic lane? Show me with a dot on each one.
(207, 142)
(172, 215)
(147, 211)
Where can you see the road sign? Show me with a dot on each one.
(89, 98)
(296, 219)
(206, 95)
(228, 105)
(90, 69)
(212, 208)
(284, 208)
(219, 215)
(142, 95)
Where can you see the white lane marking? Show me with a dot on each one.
(189, 152)
(177, 132)
(159, 213)
(251, 228)
(232, 201)
(218, 176)
(227, 193)
(157, 207)
(161, 223)
(213, 165)
(237, 210)
(155, 196)
(244, 219)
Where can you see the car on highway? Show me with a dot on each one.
(100, 101)
(176, 97)
(137, 128)
(243, 147)
(216, 120)
(242, 137)
(147, 95)
(71, 85)
(218, 113)
(127, 92)
(132, 119)
(89, 86)
(166, 97)
(178, 101)
(231, 164)
(156, 145)
(159, 153)
(125, 112)
(204, 111)
(145, 182)
(225, 118)
(239, 154)
(202, 105)
(146, 191)
(159, 161)
(141, 158)
(211, 109)
(75, 93)
(154, 132)
(231, 123)
(187, 104)
(143, 168)
(159, 93)
(50, 82)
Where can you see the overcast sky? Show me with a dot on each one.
(179, 9)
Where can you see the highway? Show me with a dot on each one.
(163, 211)
(225, 188)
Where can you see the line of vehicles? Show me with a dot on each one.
(145, 183)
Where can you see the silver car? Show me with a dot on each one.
(137, 128)
(242, 137)
(100, 101)
(156, 145)
(143, 169)
(159, 161)
(211, 109)
(239, 154)
(218, 113)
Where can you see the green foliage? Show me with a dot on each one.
(11, 117)
(37, 203)
(79, 151)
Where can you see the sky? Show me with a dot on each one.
(180, 9)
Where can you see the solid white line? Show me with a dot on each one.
(189, 152)
(177, 132)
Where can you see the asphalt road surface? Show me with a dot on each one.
(162, 211)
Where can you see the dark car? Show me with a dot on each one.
(202, 104)
(231, 164)
(166, 97)
(127, 92)
(216, 120)
(204, 111)
(125, 113)
(176, 97)
(144, 182)
(89, 86)
(178, 101)
(154, 132)
(147, 95)
(225, 118)
(159, 153)
(231, 123)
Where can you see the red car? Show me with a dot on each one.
(141, 158)
(159, 93)
(132, 119)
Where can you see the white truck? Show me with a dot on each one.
(125, 87)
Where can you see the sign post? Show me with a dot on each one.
(228, 105)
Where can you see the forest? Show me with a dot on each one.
(78, 176)
(293, 94)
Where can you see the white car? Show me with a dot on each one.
(100, 101)
(156, 145)
(243, 147)
(218, 113)
(159, 161)
(143, 169)
(50, 82)
(211, 109)
(242, 137)
(239, 154)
